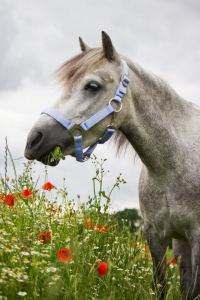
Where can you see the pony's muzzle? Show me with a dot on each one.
(33, 141)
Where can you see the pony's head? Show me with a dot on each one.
(89, 81)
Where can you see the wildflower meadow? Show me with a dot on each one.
(55, 247)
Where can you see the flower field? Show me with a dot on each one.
(66, 249)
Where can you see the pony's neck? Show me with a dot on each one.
(156, 113)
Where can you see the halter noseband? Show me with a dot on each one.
(77, 130)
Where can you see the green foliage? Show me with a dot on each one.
(56, 154)
(128, 217)
(30, 268)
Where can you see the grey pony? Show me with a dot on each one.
(164, 130)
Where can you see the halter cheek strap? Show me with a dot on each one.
(83, 127)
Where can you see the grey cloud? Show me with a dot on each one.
(38, 36)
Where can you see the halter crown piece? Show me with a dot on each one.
(81, 128)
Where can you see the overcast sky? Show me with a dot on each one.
(36, 37)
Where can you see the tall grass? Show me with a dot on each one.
(34, 227)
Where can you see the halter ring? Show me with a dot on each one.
(115, 109)
(76, 127)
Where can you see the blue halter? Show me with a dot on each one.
(72, 128)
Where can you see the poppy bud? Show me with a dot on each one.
(7, 178)
(78, 196)
(66, 193)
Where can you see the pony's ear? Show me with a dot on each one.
(110, 52)
(83, 46)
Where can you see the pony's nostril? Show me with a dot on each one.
(36, 140)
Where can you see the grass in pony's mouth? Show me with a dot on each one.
(56, 154)
(53, 157)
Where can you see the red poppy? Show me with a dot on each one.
(10, 200)
(45, 236)
(91, 241)
(27, 193)
(47, 186)
(102, 268)
(106, 228)
(167, 258)
(64, 255)
(173, 261)
(2, 198)
(86, 221)
(89, 224)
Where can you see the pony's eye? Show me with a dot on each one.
(92, 86)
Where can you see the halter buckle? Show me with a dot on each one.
(125, 80)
